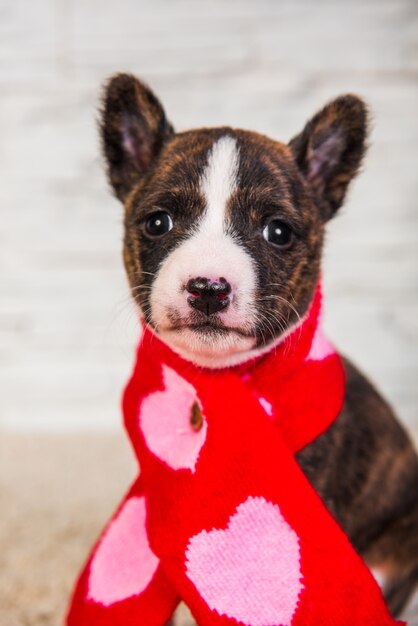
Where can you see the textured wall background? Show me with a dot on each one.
(67, 328)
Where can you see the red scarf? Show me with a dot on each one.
(222, 516)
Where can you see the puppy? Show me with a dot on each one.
(223, 239)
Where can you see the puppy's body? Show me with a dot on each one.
(223, 240)
(366, 471)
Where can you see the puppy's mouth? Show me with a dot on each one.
(210, 328)
(206, 341)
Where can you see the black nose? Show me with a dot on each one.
(207, 295)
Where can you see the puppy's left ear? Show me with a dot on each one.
(134, 130)
(330, 149)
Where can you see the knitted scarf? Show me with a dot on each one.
(222, 516)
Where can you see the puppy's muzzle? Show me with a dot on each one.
(209, 296)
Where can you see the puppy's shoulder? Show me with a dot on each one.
(366, 411)
(363, 456)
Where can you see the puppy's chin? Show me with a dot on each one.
(220, 347)
(208, 348)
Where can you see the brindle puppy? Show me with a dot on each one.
(231, 212)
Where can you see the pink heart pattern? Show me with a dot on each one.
(321, 347)
(125, 543)
(250, 571)
(165, 423)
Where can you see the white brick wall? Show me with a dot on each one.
(67, 329)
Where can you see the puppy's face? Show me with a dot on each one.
(224, 227)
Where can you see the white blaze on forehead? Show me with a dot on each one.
(210, 252)
(218, 182)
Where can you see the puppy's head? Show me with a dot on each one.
(224, 227)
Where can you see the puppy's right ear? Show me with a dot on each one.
(133, 128)
(330, 149)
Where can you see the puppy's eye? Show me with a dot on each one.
(158, 224)
(278, 233)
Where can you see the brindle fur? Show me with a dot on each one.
(364, 467)
(366, 471)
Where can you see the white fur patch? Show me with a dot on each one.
(212, 253)
(217, 185)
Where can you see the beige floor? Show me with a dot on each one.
(56, 493)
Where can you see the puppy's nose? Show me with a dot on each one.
(208, 296)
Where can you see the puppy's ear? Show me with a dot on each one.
(330, 149)
(133, 128)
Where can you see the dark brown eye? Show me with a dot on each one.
(278, 233)
(158, 224)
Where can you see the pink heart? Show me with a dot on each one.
(250, 571)
(165, 423)
(321, 347)
(124, 563)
